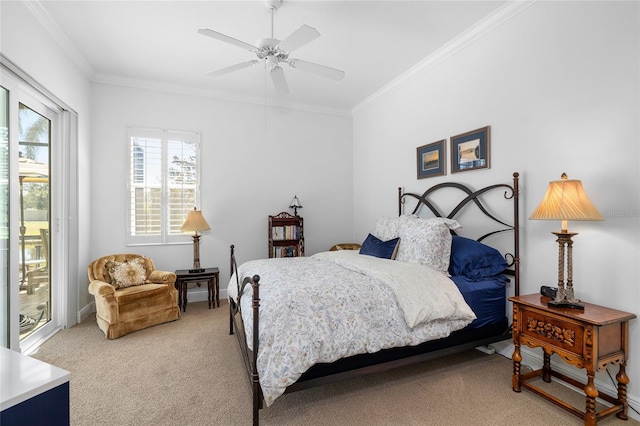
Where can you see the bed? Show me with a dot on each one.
(335, 315)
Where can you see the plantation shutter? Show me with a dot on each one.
(163, 184)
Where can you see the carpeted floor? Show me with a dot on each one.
(190, 372)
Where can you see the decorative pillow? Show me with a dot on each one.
(387, 228)
(426, 241)
(475, 260)
(127, 274)
(373, 246)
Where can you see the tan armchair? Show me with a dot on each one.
(131, 294)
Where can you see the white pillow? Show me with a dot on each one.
(387, 228)
(426, 241)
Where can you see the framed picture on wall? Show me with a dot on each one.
(470, 150)
(431, 159)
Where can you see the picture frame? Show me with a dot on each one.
(470, 150)
(431, 159)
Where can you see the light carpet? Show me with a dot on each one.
(190, 372)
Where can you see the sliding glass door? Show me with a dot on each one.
(31, 300)
(34, 141)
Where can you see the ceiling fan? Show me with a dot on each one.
(273, 52)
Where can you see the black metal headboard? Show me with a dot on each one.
(471, 197)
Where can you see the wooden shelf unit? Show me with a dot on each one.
(286, 235)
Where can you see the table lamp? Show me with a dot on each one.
(295, 205)
(195, 223)
(565, 200)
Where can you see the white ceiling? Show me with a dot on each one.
(155, 43)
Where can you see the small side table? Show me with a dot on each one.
(589, 339)
(210, 275)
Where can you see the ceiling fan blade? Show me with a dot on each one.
(232, 68)
(321, 70)
(279, 81)
(222, 37)
(298, 38)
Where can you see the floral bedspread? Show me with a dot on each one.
(336, 304)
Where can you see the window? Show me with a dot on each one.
(164, 176)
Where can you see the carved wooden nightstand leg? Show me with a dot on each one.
(592, 393)
(515, 380)
(623, 380)
(546, 367)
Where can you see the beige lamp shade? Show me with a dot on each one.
(566, 200)
(195, 222)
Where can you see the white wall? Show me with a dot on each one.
(252, 168)
(26, 43)
(558, 84)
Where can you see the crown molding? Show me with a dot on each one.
(41, 14)
(486, 25)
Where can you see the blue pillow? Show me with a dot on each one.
(373, 246)
(474, 260)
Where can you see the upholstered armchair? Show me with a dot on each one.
(130, 294)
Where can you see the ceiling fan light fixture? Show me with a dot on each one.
(272, 62)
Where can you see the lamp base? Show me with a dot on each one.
(565, 304)
(193, 271)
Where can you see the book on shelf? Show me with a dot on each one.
(285, 251)
(276, 233)
(287, 232)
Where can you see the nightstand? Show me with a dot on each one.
(210, 275)
(589, 339)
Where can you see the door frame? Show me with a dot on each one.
(63, 205)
